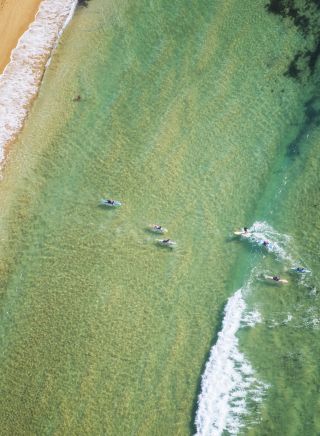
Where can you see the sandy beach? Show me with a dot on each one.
(15, 17)
(28, 40)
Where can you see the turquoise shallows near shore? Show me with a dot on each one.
(185, 116)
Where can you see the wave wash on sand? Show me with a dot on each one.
(20, 81)
(228, 382)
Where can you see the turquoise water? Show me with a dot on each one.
(185, 116)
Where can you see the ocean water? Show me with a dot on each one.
(188, 117)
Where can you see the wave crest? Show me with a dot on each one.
(228, 381)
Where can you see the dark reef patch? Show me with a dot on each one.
(83, 3)
(304, 67)
(276, 7)
(311, 119)
(312, 110)
(293, 69)
(313, 56)
(305, 15)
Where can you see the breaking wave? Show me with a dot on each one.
(20, 81)
(229, 384)
(229, 381)
(279, 243)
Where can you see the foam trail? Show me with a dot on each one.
(251, 319)
(20, 81)
(228, 380)
(282, 246)
(279, 242)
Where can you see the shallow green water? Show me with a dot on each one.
(185, 117)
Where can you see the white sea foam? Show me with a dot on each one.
(252, 318)
(279, 242)
(313, 291)
(22, 76)
(228, 380)
(312, 318)
(288, 319)
(272, 323)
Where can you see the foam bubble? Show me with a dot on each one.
(228, 380)
(22, 76)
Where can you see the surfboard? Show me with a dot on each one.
(305, 270)
(242, 233)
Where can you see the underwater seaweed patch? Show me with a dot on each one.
(305, 16)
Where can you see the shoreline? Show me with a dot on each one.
(15, 18)
(21, 77)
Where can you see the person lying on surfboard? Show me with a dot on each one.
(276, 279)
(243, 232)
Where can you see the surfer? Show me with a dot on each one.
(276, 279)
(301, 270)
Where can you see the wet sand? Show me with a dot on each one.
(15, 17)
